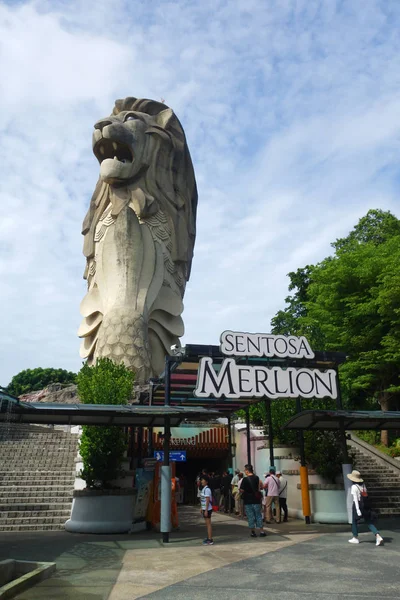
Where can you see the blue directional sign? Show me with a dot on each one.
(174, 455)
(178, 455)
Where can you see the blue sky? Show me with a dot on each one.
(291, 110)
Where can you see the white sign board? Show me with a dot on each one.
(234, 343)
(256, 381)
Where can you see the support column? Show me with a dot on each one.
(165, 521)
(248, 436)
(346, 465)
(270, 431)
(150, 447)
(305, 491)
(131, 447)
(140, 446)
(230, 463)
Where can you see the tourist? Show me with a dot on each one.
(235, 489)
(361, 508)
(206, 508)
(282, 496)
(250, 490)
(226, 487)
(271, 485)
(198, 482)
(216, 488)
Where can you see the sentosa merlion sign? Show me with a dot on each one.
(139, 237)
(254, 381)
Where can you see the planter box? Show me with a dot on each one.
(102, 511)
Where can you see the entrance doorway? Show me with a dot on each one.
(188, 472)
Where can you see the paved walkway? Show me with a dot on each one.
(294, 561)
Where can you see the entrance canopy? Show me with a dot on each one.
(333, 419)
(14, 411)
(184, 373)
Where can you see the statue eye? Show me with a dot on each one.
(130, 118)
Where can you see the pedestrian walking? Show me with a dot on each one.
(250, 490)
(206, 508)
(282, 496)
(271, 484)
(361, 509)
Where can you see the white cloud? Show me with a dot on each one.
(291, 113)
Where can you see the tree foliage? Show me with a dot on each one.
(350, 302)
(33, 380)
(102, 448)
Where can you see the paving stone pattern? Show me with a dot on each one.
(383, 483)
(37, 474)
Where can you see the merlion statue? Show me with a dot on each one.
(139, 236)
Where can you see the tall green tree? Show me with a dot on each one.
(350, 302)
(33, 380)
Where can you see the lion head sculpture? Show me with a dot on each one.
(139, 237)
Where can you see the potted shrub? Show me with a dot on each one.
(102, 507)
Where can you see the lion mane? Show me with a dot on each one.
(139, 236)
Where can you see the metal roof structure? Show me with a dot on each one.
(14, 411)
(183, 376)
(335, 419)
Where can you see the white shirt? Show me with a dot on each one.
(355, 491)
(235, 480)
(282, 487)
(205, 493)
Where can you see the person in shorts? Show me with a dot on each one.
(250, 490)
(206, 508)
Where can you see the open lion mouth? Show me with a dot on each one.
(106, 148)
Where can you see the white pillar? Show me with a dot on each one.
(166, 491)
(347, 485)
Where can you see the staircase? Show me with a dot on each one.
(382, 481)
(37, 474)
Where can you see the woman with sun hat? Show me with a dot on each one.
(359, 493)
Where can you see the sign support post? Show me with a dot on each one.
(230, 462)
(248, 436)
(268, 411)
(305, 491)
(165, 521)
(347, 467)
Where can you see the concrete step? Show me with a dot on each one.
(49, 465)
(48, 498)
(38, 440)
(376, 477)
(37, 451)
(36, 497)
(29, 506)
(5, 517)
(24, 443)
(34, 521)
(29, 489)
(39, 472)
(36, 527)
(381, 472)
(55, 480)
(384, 491)
(388, 512)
